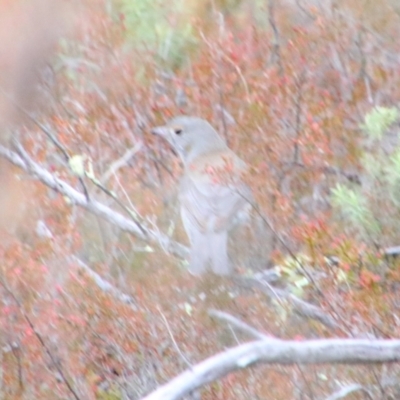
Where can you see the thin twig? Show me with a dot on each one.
(116, 165)
(276, 49)
(93, 206)
(47, 132)
(41, 341)
(187, 362)
(104, 285)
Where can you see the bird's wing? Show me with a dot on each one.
(212, 192)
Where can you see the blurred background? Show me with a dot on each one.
(306, 92)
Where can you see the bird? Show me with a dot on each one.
(212, 194)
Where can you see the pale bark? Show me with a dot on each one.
(275, 351)
(23, 161)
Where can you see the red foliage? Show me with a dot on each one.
(288, 102)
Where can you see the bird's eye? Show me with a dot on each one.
(178, 130)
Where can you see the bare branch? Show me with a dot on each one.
(393, 251)
(104, 285)
(275, 351)
(116, 165)
(47, 132)
(187, 362)
(235, 66)
(55, 362)
(91, 205)
(345, 391)
(231, 320)
(276, 49)
(302, 307)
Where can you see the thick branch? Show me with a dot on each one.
(275, 351)
(91, 205)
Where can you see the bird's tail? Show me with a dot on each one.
(209, 248)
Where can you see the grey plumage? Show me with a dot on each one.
(211, 193)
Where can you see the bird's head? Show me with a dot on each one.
(191, 137)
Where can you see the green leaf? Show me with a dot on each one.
(77, 165)
(149, 26)
(301, 282)
(322, 377)
(341, 276)
(378, 120)
(188, 309)
(353, 206)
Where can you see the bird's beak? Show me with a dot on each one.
(160, 131)
(165, 132)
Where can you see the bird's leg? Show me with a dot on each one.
(199, 252)
(219, 253)
(199, 245)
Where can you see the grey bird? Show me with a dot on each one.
(211, 193)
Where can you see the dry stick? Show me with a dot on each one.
(363, 73)
(381, 389)
(187, 362)
(67, 157)
(217, 74)
(260, 214)
(237, 68)
(276, 49)
(304, 10)
(92, 206)
(104, 285)
(122, 161)
(52, 138)
(301, 307)
(275, 351)
(345, 391)
(306, 273)
(47, 132)
(131, 213)
(352, 177)
(307, 384)
(41, 341)
(231, 320)
(300, 82)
